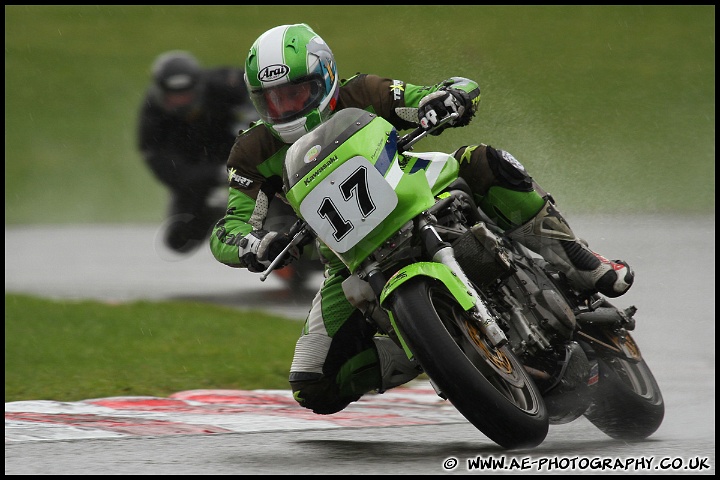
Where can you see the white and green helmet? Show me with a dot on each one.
(292, 79)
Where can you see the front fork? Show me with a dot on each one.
(447, 270)
(442, 252)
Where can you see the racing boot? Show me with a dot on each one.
(395, 368)
(549, 235)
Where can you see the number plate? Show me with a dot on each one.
(348, 204)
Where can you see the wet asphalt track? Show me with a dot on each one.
(674, 259)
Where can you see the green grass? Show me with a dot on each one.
(70, 350)
(611, 108)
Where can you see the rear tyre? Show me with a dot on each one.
(487, 385)
(628, 404)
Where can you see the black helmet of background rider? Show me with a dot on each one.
(177, 82)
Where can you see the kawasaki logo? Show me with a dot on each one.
(273, 72)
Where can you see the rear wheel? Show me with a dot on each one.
(487, 385)
(628, 404)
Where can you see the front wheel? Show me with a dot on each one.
(487, 385)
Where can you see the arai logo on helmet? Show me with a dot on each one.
(312, 154)
(273, 72)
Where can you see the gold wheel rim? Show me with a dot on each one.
(496, 357)
(628, 346)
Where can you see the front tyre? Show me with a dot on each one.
(487, 385)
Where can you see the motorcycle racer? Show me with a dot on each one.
(292, 79)
(187, 123)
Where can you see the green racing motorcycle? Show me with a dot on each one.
(498, 331)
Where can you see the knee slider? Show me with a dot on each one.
(318, 393)
(509, 172)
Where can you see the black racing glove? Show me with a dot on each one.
(438, 105)
(259, 248)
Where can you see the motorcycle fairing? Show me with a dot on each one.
(363, 204)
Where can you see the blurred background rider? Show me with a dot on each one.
(189, 119)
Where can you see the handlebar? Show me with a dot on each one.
(410, 139)
(300, 237)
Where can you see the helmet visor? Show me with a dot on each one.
(288, 102)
